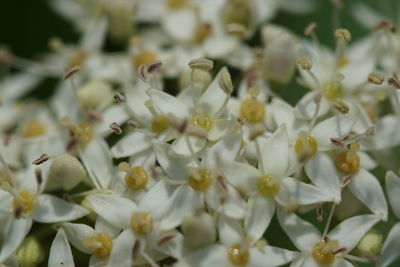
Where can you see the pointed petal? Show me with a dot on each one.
(392, 182)
(241, 175)
(225, 149)
(180, 146)
(60, 251)
(230, 231)
(305, 108)
(76, 233)
(391, 247)
(168, 104)
(259, 213)
(158, 193)
(209, 256)
(275, 153)
(13, 233)
(131, 144)
(121, 252)
(52, 209)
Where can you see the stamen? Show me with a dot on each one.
(119, 98)
(341, 106)
(252, 109)
(328, 222)
(71, 72)
(38, 176)
(115, 128)
(376, 78)
(319, 212)
(317, 101)
(43, 158)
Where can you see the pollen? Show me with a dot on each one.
(25, 201)
(145, 57)
(333, 90)
(237, 255)
(142, 223)
(251, 109)
(100, 245)
(200, 179)
(305, 146)
(136, 178)
(33, 128)
(267, 187)
(323, 252)
(202, 120)
(177, 4)
(160, 124)
(348, 162)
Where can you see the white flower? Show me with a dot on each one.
(60, 251)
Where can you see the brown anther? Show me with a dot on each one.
(237, 29)
(346, 180)
(393, 81)
(317, 98)
(165, 239)
(319, 212)
(41, 159)
(225, 81)
(142, 73)
(343, 35)
(93, 115)
(376, 78)
(325, 238)
(222, 183)
(305, 63)
(201, 63)
(115, 128)
(385, 25)
(133, 124)
(38, 176)
(338, 251)
(341, 106)
(18, 211)
(337, 142)
(310, 29)
(119, 98)
(154, 66)
(71, 72)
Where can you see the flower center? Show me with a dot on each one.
(202, 120)
(25, 202)
(305, 146)
(333, 90)
(323, 252)
(177, 4)
(136, 178)
(202, 31)
(238, 12)
(200, 179)
(266, 187)
(159, 124)
(33, 128)
(100, 245)
(343, 62)
(237, 255)
(142, 223)
(77, 58)
(80, 134)
(144, 58)
(252, 110)
(348, 161)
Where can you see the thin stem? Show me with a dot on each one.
(329, 221)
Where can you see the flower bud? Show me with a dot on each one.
(119, 16)
(225, 81)
(95, 94)
(370, 243)
(201, 78)
(30, 253)
(199, 230)
(67, 171)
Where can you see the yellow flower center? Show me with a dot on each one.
(77, 58)
(100, 245)
(348, 161)
(200, 179)
(266, 187)
(333, 90)
(323, 252)
(177, 4)
(25, 202)
(252, 110)
(33, 128)
(237, 255)
(142, 223)
(202, 120)
(136, 178)
(159, 124)
(144, 58)
(305, 146)
(343, 62)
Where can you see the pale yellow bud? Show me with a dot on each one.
(95, 94)
(201, 78)
(370, 243)
(67, 171)
(199, 230)
(30, 253)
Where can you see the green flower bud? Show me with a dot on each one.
(30, 253)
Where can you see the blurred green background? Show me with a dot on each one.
(27, 25)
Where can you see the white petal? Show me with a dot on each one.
(283, 113)
(181, 148)
(305, 108)
(226, 149)
(220, 128)
(121, 252)
(209, 256)
(275, 153)
(366, 161)
(386, 134)
(368, 190)
(114, 209)
(169, 104)
(52, 209)
(259, 214)
(299, 261)
(60, 251)
(156, 199)
(350, 231)
(303, 234)
(343, 263)
(102, 226)
(233, 204)
(131, 144)
(309, 262)
(180, 24)
(172, 247)
(184, 201)
(230, 231)
(391, 247)
(76, 233)
(302, 193)
(96, 158)
(269, 256)
(241, 175)
(13, 232)
(115, 113)
(322, 172)
(392, 182)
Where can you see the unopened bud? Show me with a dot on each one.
(225, 81)
(341, 106)
(370, 243)
(305, 63)
(115, 128)
(376, 78)
(95, 94)
(343, 34)
(310, 29)
(199, 230)
(30, 253)
(393, 81)
(201, 63)
(67, 171)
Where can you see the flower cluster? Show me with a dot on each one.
(179, 149)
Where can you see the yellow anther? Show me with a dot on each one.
(333, 90)
(26, 201)
(305, 146)
(145, 57)
(267, 187)
(323, 252)
(237, 255)
(100, 245)
(142, 223)
(200, 179)
(202, 120)
(347, 162)
(33, 128)
(343, 35)
(177, 4)
(136, 178)
(252, 110)
(305, 63)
